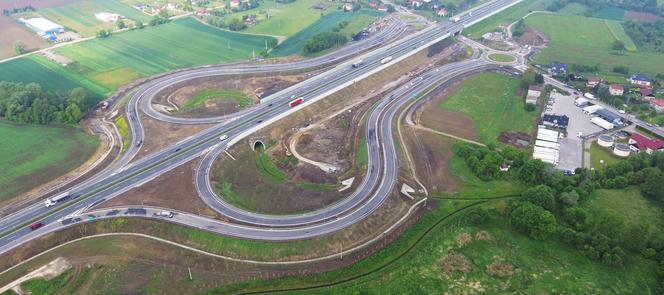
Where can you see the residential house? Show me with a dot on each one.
(382, 7)
(640, 80)
(235, 4)
(557, 69)
(203, 12)
(443, 12)
(415, 3)
(348, 7)
(593, 81)
(140, 6)
(645, 144)
(646, 93)
(658, 105)
(616, 89)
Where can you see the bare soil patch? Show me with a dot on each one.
(174, 189)
(532, 37)
(431, 115)
(431, 154)
(12, 31)
(255, 88)
(642, 16)
(516, 139)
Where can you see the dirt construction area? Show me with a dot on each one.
(431, 153)
(176, 99)
(11, 31)
(432, 116)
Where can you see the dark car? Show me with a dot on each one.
(36, 225)
(177, 150)
(259, 121)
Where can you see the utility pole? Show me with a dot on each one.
(342, 252)
(190, 277)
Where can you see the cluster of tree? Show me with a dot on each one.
(519, 28)
(251, 4)
(27, 8)
(121, 24)
(340, 26)
(647, 36)
(596, 5)
(530, 77)
(161, 18)
(19, 47)
(485, 162)
(104, 33)
(621, 70)
(584, 68)
(324, 40)
(29, 103)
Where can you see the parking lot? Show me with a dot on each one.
(571, 147)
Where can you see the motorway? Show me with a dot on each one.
(379, 182)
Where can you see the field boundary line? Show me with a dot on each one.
(446, 134)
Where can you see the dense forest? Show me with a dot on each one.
(551, 207)
(322, 41)
(29, 103)
(597, 5)
(646, 36)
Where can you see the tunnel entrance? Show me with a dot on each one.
(258, 145)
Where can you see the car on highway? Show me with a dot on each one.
(177, 150)
(139, 143)
(223, 137)
(167, 214)
(259, 121)
(36, 225)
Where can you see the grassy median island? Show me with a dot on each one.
(495, 103)
(273, 184)
(501, 57)
(240, 99)
(31, 155)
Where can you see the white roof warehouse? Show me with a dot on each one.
(43, 26)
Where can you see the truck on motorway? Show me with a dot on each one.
(358, 63)
(36, 225)
(386, 60)
(296, 101)
(59, 198)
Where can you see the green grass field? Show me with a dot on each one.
(588, 41)
(470, 186)
(123, 129)
(242, 99)
(48, 74)
(80, 15)
(493, 103)
(151, 51)
(33, 155)
(285, 19)
(628, 206)
(611, 13)
(540, 267)
(102, 65)
(504, 18)
(600, 157)
(294, 44)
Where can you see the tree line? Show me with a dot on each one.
(29, 103)
(551, 206)
(647, 36)
(324, 40)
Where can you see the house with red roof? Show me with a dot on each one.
(646, 93)
(658, 105)
(373, 4)
(645, 144)
(616, 89)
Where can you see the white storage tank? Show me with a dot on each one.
(605, 140)
(621, 150)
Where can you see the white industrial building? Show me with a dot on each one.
(45, 28)
(546, 146)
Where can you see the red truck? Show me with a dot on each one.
(36, 225)
(296, 102)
